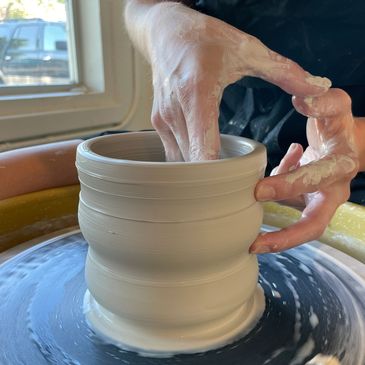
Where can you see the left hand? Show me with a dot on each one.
(318, 179)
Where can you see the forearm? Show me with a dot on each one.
(138, 15)
(360, 141)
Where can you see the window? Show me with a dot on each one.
(98, 90)
(35, 46)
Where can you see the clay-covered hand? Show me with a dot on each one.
(193, 58)
(318, 179)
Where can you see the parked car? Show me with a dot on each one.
(33, 52)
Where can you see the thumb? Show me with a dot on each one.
(280, 71)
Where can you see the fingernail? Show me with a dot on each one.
(293, 147)
(260, 249)
(265, 192)
(322, 82)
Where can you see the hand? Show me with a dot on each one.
(193, 58)
(318, 179)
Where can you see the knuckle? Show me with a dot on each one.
(281, 59)
(347, 101)
(157, 121)
(249, 42)
(345, 98)
(348, 166)
(166, 113)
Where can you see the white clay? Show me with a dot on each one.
(324, 168)
(319, 81)
(168, 268)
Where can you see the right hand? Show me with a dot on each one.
(317, 179)
(193, 58)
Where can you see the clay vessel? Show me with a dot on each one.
(168, 269)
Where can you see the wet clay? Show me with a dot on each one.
(168, 269)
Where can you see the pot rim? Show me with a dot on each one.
(256, 151)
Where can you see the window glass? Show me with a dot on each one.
(25, 38)
(96, 93)
(55, 38)
(34, 39)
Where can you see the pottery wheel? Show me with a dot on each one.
(314, 304)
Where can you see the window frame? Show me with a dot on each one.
(102, 98)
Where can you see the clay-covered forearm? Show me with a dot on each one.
(138, 16)
(360, 139)
(30, 169)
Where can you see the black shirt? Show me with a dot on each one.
(327, 38)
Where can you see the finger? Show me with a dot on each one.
(335, 102)
(312, 224)
(180, 131)
(330, 122)
(290, 161)
(172, 150)
(199, 103)
(306, 179)
(171, 113)
(281, 71)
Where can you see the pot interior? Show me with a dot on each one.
(147, 146)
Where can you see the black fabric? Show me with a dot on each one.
(263, 115)
(326, 37)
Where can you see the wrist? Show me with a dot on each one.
(138, 18)
(360, 141)
(153, 24)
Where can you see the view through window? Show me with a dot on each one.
(34, 43)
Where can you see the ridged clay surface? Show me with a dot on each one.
(168, 268)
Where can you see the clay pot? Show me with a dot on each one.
(168, 267)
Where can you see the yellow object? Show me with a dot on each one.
(346, 232)
(32, 215)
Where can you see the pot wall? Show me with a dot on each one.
(168, 242)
